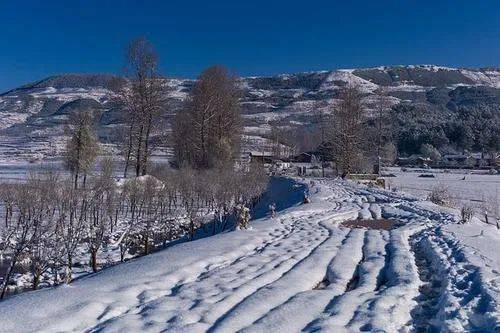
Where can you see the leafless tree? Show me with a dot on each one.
(44, 249)
(384, 149)
(207, 131)
(70, 224)
(97, 217)
(82, 147)
(252, 183)
(346, 130)
(143, 100)
(7, 195)
(189, 198)
(26, 235)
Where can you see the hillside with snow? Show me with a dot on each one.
(303, 270)
(33, 117)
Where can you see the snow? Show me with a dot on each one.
(408, 87)
(477, 188)
(432, 68)
(299, 271)
(348, 77)
(70, 94)
(486, 78)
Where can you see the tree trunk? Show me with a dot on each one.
(6, 278)
(76, 180)
(138, 159)
(127, 161)
(214, 228)
(122, 253)
(36, 280)
(93, 260)
(69, 269)
(146, 245)
(191, 229)
(129, 149)
(224, 225)
(146, 147)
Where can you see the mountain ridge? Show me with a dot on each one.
(110, 76)
(37, 112)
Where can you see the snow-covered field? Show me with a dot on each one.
(476, 187)
(298, 271)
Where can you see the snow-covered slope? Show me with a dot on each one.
(298, 271)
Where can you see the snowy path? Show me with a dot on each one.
(300, 271)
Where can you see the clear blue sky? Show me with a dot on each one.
(42, 38)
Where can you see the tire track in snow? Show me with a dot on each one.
(304, 276)
(284, 263)
(388, 307)
(342, 312)
(450, 283)
(305, 306)
(356, 285)
(111, 313)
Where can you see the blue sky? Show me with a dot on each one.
(42, 38)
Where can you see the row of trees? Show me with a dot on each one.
(348, 133)
(351, 137)
(206, 132)
(357, 136)
(48, 221)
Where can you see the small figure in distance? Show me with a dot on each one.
(272, 208)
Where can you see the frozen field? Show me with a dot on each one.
(299, 271)
(477, 187)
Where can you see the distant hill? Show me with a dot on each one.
(33, 116)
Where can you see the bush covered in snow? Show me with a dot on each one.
(440, 195)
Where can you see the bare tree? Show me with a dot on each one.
(27, 234)
(44, 250)
(384, 149)
(207, 132)
(70, 224)
(346, 130)
(7, 195)
(190, 199)
(143, 100)
(82, 147)
(97, 216)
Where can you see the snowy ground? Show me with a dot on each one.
(299, 271)
(476, 187)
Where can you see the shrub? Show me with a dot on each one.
(466, 213)
(440, 195)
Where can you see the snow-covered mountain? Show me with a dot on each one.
(33, 117)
